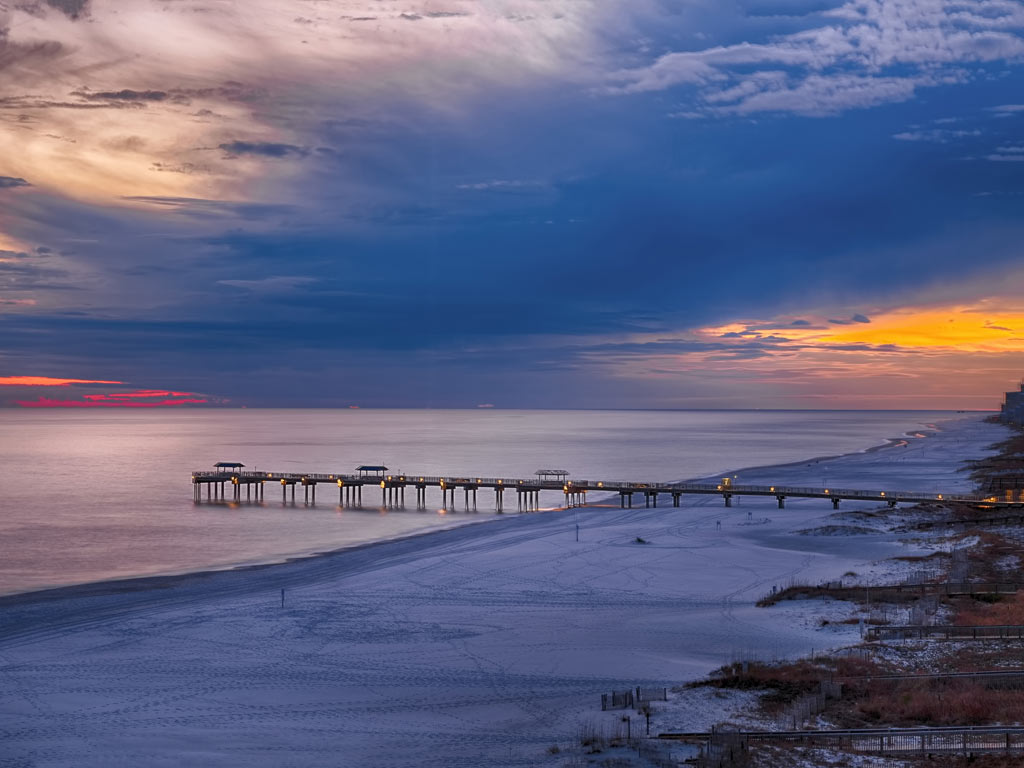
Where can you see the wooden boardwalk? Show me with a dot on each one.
(887, 741)
(392, 487)
(945, 632)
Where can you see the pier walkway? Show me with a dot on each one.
(393, 487)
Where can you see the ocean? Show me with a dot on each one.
(100, 494)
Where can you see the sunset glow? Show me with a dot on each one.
(47, 381)
(45, 402)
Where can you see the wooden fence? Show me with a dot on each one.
(616, 700)
(946, 632)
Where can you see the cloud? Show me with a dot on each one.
(866, 53)
(279, 284)
(47, 381)
(263, 149)
(860, 319)
(500, 184)
(10, 182)
(934, 135)
(124, 95)
(73, 8)
(1008, 158)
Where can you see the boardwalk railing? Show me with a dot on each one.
(992, 678)
(946, 631)
(891, 592)
(891, 741)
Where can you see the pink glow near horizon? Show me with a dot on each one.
(46, 402)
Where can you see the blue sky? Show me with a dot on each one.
(518, 203)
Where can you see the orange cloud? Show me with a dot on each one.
(47, 381)
(961, 356)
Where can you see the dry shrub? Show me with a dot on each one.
(783, 683)
(1008, 610)
(940, 703)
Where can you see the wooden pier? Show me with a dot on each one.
(231, 477)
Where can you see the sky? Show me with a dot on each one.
(511, 203)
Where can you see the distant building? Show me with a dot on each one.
(1012, 411)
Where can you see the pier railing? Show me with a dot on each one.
(650, 490)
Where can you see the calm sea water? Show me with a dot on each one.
(97, 495)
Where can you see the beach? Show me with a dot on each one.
(478, 645)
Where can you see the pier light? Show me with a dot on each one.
(565, 488)
(340, 482)
(270, 474)
(826, 490)
(389, 477)
(600, 485)
(772, 489)
(479, 480)
(500, 482)
(330, 477)
(381, 483)
(283, 481)
(718, 488)
(421, 479)
(882, 493)
(234, 480)
(940, 497)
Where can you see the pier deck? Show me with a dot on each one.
(527, 490)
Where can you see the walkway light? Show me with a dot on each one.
(283, 481)
(340, 482)
(381, 483)
(883, 493)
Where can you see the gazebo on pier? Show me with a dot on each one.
(558, 475)
(375, 471)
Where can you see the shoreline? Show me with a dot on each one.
(494, 643)
(119, 585)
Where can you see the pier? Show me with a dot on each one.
(230, 478)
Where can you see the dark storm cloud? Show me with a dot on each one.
(263, 149)
(9, 182)
(72, 8)
(125, 95)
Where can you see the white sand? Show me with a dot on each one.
(477, 646)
